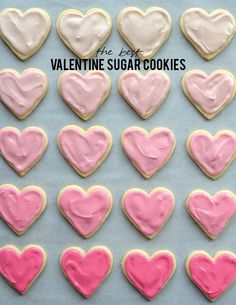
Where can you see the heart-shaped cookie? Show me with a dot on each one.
(211, 213)
(21, 269)
(84, 150)
(209, 93)
(149, 274)
(22, 150)
(144, 31)
(212, 275)
(148, 212)
(208, 33)
(144, 93)
(84, 93)
(213, 154)
(148, 152)
(85, 33)
(24, 32)
(21, 92)
(86, 271)
(86, 211)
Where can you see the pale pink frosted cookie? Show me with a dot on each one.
(86, 271)
(22, 268)
(149, 275)
(148, 212)
(84, 94)
(22, 92)
(211, 93)
(85, 210)
(144, 93)
(212, 275)
(213, 154)
(211, 213)
(148, 152)
(84, 150)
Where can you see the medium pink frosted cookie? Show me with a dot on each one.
(20, 209)
(211, 93)
(22, 92)
(84, 94)
(21, 268)
(144, 93)
(149, 275)
(148, 212)
(212, 275)
(84, 150)
(211, 213)
(148, 152)
(86, 271)
(22, 150)
(85, 210)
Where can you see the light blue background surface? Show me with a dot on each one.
(181, 235)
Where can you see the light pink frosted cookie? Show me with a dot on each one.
(84, 94)
(211, 93)
(149, 275)
(22, 150)
(144, 93)
(213, 154)
(148, 152)
(148, 212)
(86, 271)
(212, 275)
(211, 213)
(22, 268)
(22, 92)
(85, 210)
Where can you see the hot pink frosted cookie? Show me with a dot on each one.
(84, 94)
(213, 154)
(211, 213)
(144, 93)
(148, 152)
(211, 93)
(22, 150)
(22, 92)
(149, 274)
(21, 268)
(85, 210)
(20, 209)
(84, 150)
(212, 275)
(148, 212)
(86, 271)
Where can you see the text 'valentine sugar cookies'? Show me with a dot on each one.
(85, 33)
(24, 32)
(208, 33)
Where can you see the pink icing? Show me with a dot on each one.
(149, 152)
(86, 211)
(213, 277)
(20, 92)
(212, 213)
(84, 151)
(144, 93)
(20, 208)
(22, 149)
(148, 212)
(149, 275)
(84, 93)
(21, 269)
(86, 271)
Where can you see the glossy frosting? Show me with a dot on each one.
(86, 271)
(21, 269)
(145, 93)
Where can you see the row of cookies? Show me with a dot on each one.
(144, 31)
